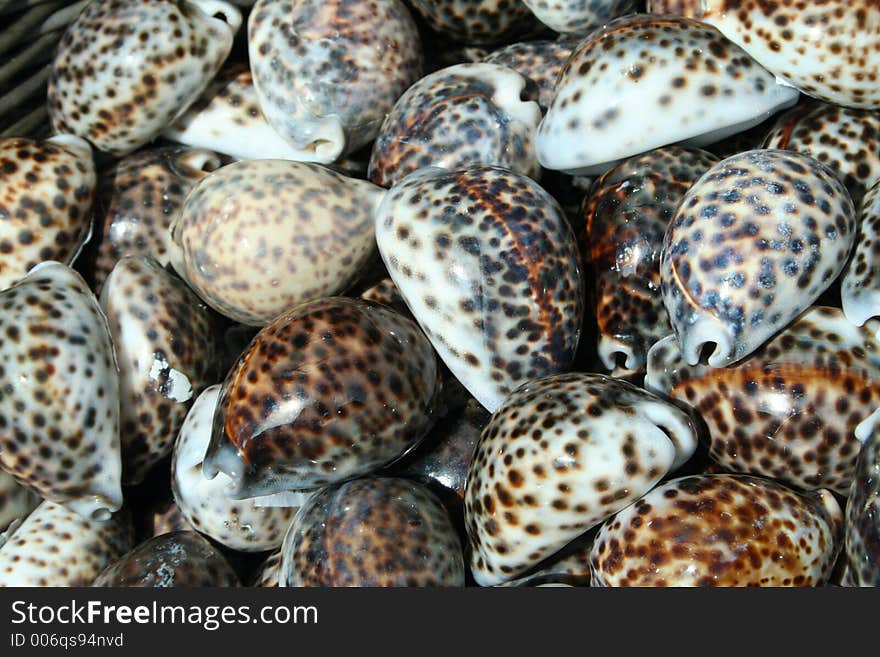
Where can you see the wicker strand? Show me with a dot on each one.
(23, 27)
(37, 53)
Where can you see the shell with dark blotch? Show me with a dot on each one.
(227, 118)
(641, 82)
(559, 456)
(386, 293)
(828, 49)
(167, 517)
(477, 22)
(270, 571)
(57, 547)
(753, 244)
(568, 567)
(720, 530)
(624, 221)
(860, 286)
(139, 196)
(125, 68)
(538, 61)
(16, 501)
(165, 339)
(843, 139)
(326, 72)
(176, 559)
(59, 392)
(490, 268)
(330, 390)
(796, 410)
(862, 542)
(237, 524)
(579, 16)
(459, 116)
(47, 190)
(257, 237)
(374, 532)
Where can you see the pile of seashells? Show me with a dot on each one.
(440, 293)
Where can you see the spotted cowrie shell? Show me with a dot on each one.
(477, 22)
(538, 61)
(579, 16)
(754, 242)
(828, 49)
(138, 197)
(720, 530)
(237, 524)
(462, 115)
(326, 72)
(860, 285)
(59, 392)
(843, 139)
(54, 546)
(167, 354)
(797, 410)
(125, 68)
(641, 82)
(330, 390)
(623, 222)
(862, 540)
(269, 572)
(177, 559)
(257, 237)
(372, 532)
(559, 456)
(46, 192)
(490, 268)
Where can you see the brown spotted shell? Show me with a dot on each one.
(176, 559)
(373, 532)
(720, 530)
(125, 68)
(797, 410)
(16, 501)
(559, 456)
(46, 191)
(860, 286)
(863, 517)
(258, 237)
(828, 49)
(167, 354)
(478, 22)
(139, 196)
(331, 389)
(624, 220)
(57, 547)
(538, 61)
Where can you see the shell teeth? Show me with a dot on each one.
(70, 383)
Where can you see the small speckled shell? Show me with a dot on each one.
(269, 572)
(59, 392)
(237, 524)
(490, 268)
(57, 547)
(796, 410)
(625, 218)
(559, 456)
(845, 140)
(125, 68)
(140, 195)
(754, 242)
(569, 567)
(369, 533)
(176, 559)
(828, 49)
(579, 16)
(16, 501)
(166, 351)
(328, 71)
(330, 390)
(258, 237)
(645, 81)
(863, 517)
(720, 530)
(477, 22)
(227, 118)
(46, 190)
(860, 287)
(458, 116)
(166, 517)
(538, 61)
